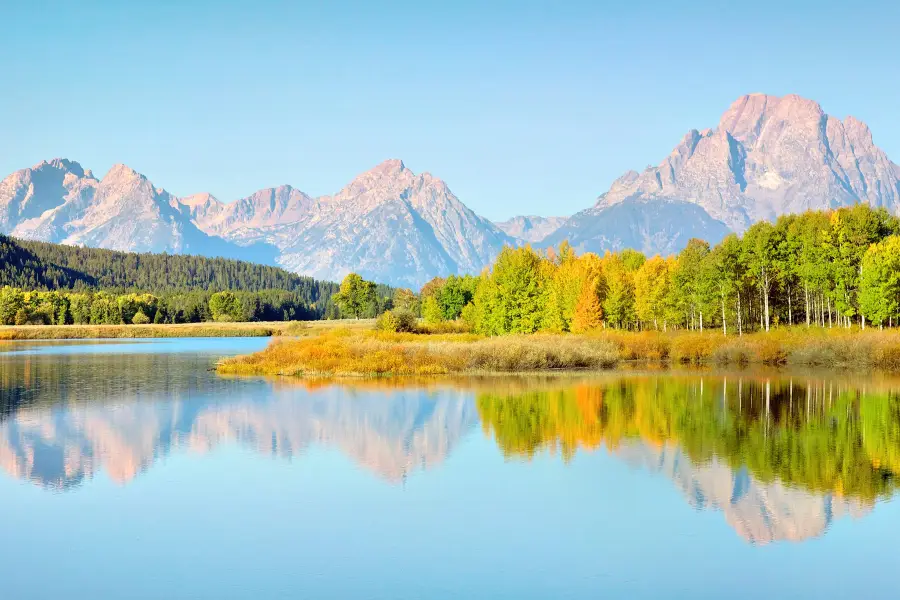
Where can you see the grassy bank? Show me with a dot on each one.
(797, 346)
(255, 329)
(362, 352)
(344, 352)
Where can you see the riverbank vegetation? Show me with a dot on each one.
(344, 352)
(367, 352)
(798, 292)
(78, 332)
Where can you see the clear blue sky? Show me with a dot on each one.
(522, 107)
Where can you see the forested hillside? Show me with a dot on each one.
(40, 265)
(52, 283)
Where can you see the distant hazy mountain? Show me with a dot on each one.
(651, 226)
(388, 224)
(531, 228)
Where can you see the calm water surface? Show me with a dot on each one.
(130, 470)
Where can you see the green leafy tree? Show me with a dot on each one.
(722, 271)
(879, 287)
(406, 299)
(760, 246)
(692, 290)
(226, 306)
(512, 296)
(618, 304)
(356, 296)
(652, 293)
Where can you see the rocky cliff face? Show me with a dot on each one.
(769, 156)
(531, 228)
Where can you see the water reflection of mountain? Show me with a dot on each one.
(782, 459)
(759, 512)
(59, 432)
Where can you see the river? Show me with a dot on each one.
(129, 469)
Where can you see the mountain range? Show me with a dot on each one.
(767, 156)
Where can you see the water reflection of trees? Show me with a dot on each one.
(832, 437)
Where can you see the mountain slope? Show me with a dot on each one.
(59, 201)
(388, 224)
(531, 228)
(651, 226)
(769, 156)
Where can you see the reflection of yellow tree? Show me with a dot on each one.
(812, 435)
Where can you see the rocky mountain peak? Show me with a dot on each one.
(389, 167)
(768, 156)
(201, 199)
(62, 164)
(120, 173)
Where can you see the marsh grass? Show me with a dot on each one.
(361, 352)
(343, 352)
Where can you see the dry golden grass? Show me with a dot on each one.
(75, 332)
(361, 352)
(343, 352)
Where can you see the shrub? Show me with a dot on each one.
(695, 348)
(397, 320)
(140, 318)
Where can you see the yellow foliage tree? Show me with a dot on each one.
(588, 312)
(651, 291)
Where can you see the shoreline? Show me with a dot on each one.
(170, 330)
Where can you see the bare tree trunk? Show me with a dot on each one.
(724, 324)
(739, 316)
(790, 316)
(701, 321)
(766, 298)
(806, 295)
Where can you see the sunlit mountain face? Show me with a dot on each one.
(781, 458)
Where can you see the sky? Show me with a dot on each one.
(521, 107)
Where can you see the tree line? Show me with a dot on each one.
(819, 268)
(43, 283)
(23, 307)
